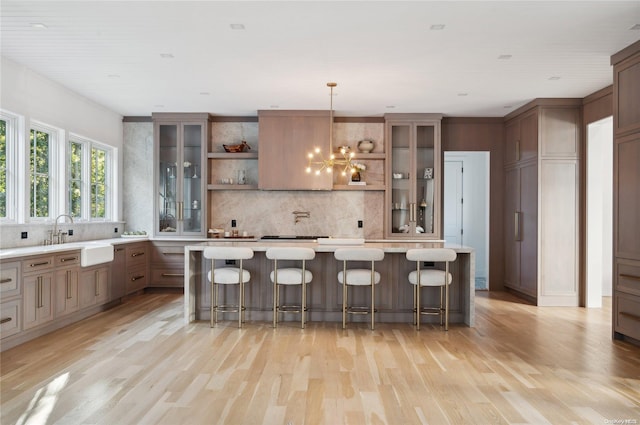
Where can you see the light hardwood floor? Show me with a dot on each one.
(138, 364)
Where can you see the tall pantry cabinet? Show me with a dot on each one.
(541, 224)
(626, 193)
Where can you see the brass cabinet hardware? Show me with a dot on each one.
(517, 150)
(136, 254)
(119, 249)
(630, 276)
(68, 259)
(630, 316)
(7, 280)
(5, 320)
(516, 221)
(68, 284)
(172, 274)
(38, 264)
(134, 278)
(39, 302)
(97, 283)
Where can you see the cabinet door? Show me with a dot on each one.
(37, 299)
(511, 141)
(528, 147)
(426, 180)
(402, 197)
(193, 139)
(118, 272)
(94, 286)
(512, 228)
(529, 229)
(168, 175)
(627, 197)
(66, 291)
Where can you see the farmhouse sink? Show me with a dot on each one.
(93, 253)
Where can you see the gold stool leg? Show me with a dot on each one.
(344, 295)
(373, 297)
(446, 297)
(275, 293)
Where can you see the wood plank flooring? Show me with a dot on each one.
(138, 364)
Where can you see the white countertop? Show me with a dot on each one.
(70, 246)
(386, 245)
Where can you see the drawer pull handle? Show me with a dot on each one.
(5, 320)
(629, 276)
(119, 249)
(44, 263)
(7, 280)
(136, 254)
(172, 274)
(173, 253)
(133, 279)
(68, 259)
(630, 316)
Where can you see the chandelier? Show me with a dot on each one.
(318, 163)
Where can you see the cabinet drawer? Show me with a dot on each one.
(10, 314)
(165, 254)
(628, 277)
(9, 279)
(627, 316)
(136, 279)
(173, 277)
(37, 264)
(68, 259)
(136, 254)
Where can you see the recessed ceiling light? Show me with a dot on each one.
(504, 57)
(390, 106)
(158, 106)
(38, 25)
(204, 93)
(274, 106)
(635, 27)
(554, 78)
(113, 76)
(166, 55)
(437, 27)
(508, 107)
(237, 26)
(463, 94)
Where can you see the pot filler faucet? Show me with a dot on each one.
(57, 236)
(299, 215)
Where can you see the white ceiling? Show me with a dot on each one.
(383, 54)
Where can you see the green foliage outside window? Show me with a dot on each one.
(3, 168)
(39, 173)
(98, 183)
(75, 179)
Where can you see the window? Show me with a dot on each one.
(40, 143)
(88, 177)
(9, 125)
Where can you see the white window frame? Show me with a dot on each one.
(56, 155)
(87, 146)
(15, 124)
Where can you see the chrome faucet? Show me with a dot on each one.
(58, 234)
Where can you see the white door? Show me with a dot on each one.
(453, 201)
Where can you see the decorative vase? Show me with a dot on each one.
(355, 177)
(365, 146)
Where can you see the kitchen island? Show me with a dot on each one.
(394, 294)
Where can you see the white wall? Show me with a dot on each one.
(29, 94)
(475, 210)
(599, 211)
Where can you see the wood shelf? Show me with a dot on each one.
(363, 156)
(232, 187)
(358, 187)
(229, 155)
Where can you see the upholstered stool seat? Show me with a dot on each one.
(227, 276)
(290, 276)
(431, 277)
(358, 277)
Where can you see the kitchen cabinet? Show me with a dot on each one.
(167, 264)
(94, 285)
(66, 281)
(414, 163)
(137, 265)
(286, 138)
(626, 194)
(541, 218)
(118, 272)
(37, 281)
(10, 298)
(180, 152)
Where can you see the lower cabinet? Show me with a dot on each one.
(118, 272)
(94, 285)
(10, 298)
(167, 264)
(136, 263)
(66, 290)
(10, 317)
(37, 299)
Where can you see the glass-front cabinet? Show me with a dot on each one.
(180, 158)
(413, 200)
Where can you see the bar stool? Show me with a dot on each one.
(358, 277)
(290, 276)
(431, 277)
(227, 276)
